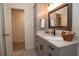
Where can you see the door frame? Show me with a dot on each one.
(7, 13)
(23, 24)
(2, 31)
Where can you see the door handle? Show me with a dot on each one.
(6, 34)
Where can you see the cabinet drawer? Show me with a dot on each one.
(52, 49)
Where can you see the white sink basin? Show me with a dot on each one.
(55, 38)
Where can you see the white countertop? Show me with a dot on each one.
(58, 43)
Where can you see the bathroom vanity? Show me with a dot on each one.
(45, 44)
(49, 45)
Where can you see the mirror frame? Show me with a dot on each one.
(69, 17)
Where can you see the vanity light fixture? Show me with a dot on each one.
(50, 6)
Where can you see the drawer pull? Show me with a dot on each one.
(51, 48)
(37, 40)
(41, 47)
(36, 48)
(49, 54)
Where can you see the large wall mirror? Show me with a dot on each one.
(61, 17)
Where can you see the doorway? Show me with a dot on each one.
(18, 32)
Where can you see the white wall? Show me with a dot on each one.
(75, 21)
(42, 13)
(28, 9)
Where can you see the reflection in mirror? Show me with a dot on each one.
(59, 17)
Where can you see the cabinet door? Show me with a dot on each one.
(68, 50)
(52, 50)
(40, 46)
(37, 45)
(43, 47)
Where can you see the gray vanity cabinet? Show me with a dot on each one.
(68, 50)
(63, 51)
(45, 48)
(52, 50)
(37, 45)
(40, 46)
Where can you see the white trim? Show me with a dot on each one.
(1, 30)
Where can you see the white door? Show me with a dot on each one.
(8, 29)
(2, 38)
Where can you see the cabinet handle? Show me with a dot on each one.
(36, 48)
(49, 54)
(51, 48)
(37, 40)
(41, 47)
(6, 34)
